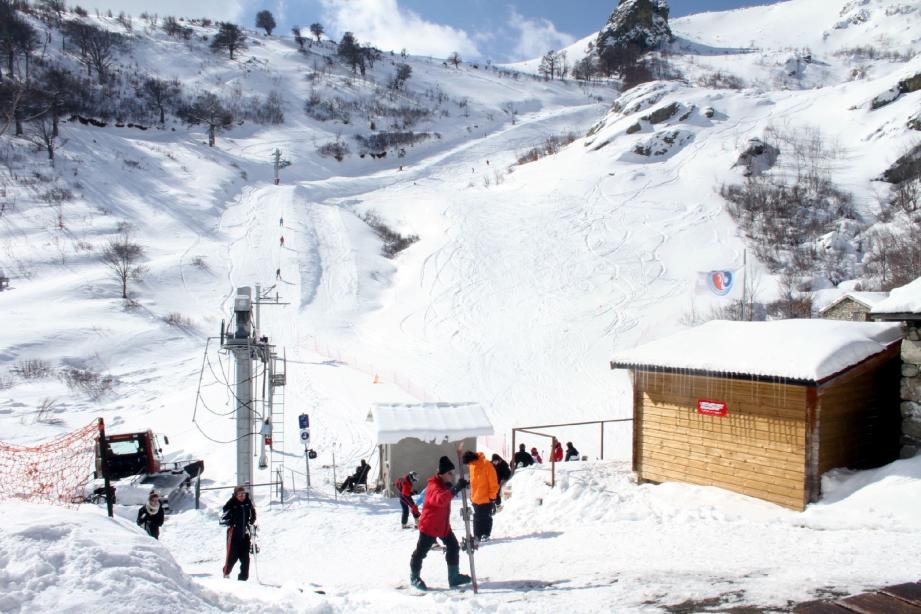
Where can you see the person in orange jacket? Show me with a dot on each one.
(484, 487)
(556, 455)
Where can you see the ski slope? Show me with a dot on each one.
(524, 281)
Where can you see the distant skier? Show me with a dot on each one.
(556, 454)
(503, 473)
(281, 221)
(239, 514)
(434, 525)
(536, 457)
(281, 241)
(278, 273)
(150, 516)
(522, 458)
(404, 487)
(571, 452)
(484, 486)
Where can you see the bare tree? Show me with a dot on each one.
(122, 256)
(209, 110)
(298, 38)
(548, 65)
(455, 59)
(317, 30)
(266, 21)
(229, 37)
(160, 93)
(43, 134)
(97, 47)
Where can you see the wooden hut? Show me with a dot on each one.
(765, 408)
(412, 436)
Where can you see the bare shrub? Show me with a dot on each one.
(34, 368)
(869, 52)
(46, 409)
(721, 81)
(382, 141)
(177, 320)
(199, 263)
(334, 149)
(92, 384)
(551, 145)
(6, 382)
(394, 242)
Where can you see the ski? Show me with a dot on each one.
(468, 539)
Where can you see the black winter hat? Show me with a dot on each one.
(445, 465)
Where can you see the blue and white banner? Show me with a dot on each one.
(724, 283)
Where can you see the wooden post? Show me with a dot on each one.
(514, 449)
(104, 463)
(552, 462)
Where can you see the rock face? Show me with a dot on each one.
(905, 168)
(911, 390)
(757, 158)
(640, 24)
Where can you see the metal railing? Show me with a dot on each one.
(531, 430)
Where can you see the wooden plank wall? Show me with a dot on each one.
(758, 449)
(859, 422)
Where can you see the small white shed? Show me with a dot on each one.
(412, 436)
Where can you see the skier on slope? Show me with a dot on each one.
(434, 525)
(503, 473)
(484, 486)
(404, 487)
(239, 515)
(150, 516)
(522, 458)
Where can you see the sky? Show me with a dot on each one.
(477, 29)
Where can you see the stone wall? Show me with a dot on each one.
(911, 389)
(848, 309)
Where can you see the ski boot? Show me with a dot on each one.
(455, 577)
(406, 525)
(417, 582)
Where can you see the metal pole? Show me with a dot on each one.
(307, 464)
(602, 440)
(335, 481)
(244, 416)
(553, 462)
(197, 490)
(514, 450)
(104, 465)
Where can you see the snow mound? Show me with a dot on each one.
(54, 559)
(906, 299)
(808, 350)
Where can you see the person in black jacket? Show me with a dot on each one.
(150, 516)
(522, 458)
(571, 452)
(239, 515)
(359, 477)
(503, 473)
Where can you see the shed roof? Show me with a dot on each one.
(801, 350)
(429, 421)
(867, 299)
(904, 300)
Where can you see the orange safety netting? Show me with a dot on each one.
(55, 472)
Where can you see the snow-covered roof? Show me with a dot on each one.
(805, 350)
(429, 421)
(867, 299)
(906, 299)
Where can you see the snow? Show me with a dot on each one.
(906, 299)
(524, 281)
(429, 421)
(809, 350)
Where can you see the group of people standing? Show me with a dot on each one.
(523, 459)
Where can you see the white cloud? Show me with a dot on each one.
(536, 37)
(388, 26)
(227, 10)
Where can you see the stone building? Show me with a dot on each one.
(904, 305)
(853, 306)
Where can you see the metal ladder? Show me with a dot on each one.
(277, 384)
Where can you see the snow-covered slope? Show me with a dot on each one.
(523, 282)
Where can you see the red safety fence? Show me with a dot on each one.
(55, 472)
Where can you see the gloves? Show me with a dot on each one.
(492, 507)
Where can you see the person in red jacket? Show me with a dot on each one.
(405, 492)
(534, 455)
(434, 524)
(556, 455)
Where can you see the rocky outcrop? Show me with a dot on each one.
(643, 23)
(905, 168)
(757, 158)
(909, 85)
(664, 144)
